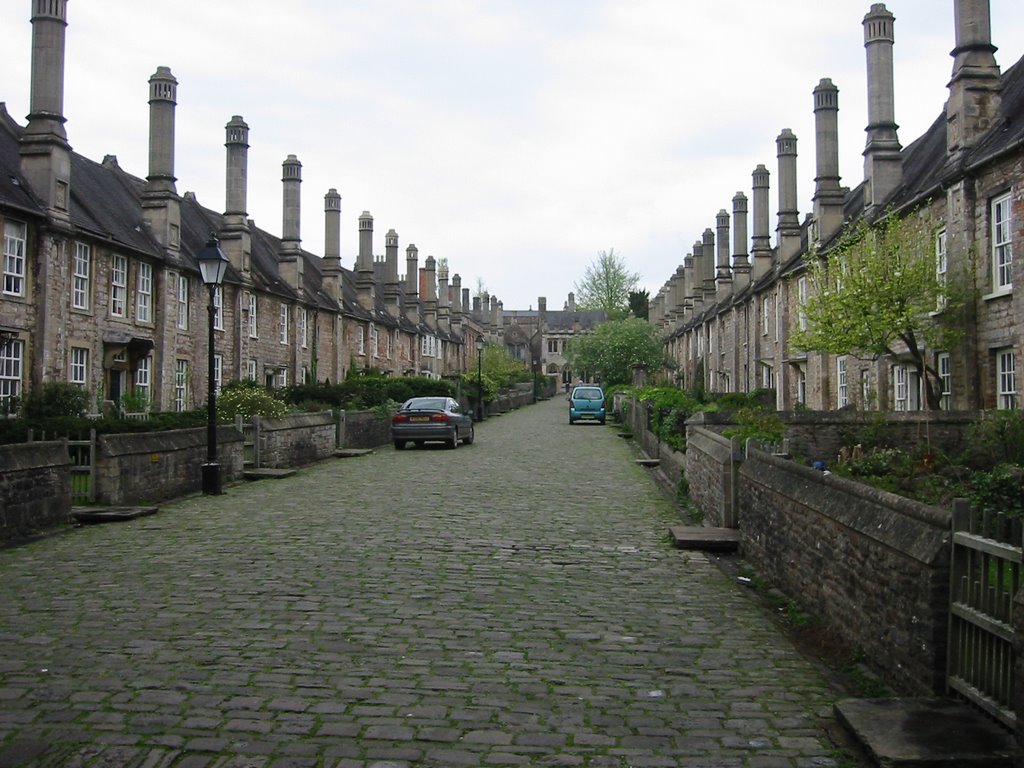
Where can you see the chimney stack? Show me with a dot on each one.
(332, 245)
(723, 276)
(290, 259)
(761, 249)
(236, 237)
(883, 168)
(975, 88)
(443, 308)
(708, 279)
(160, 204)
(412, 275)
(828, 194)
(392, 289)
(740, 260)
(45, 152)
(787, 233)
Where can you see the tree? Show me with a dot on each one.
(606, 285)
(882, 292)
(639, 304)
(615, 348)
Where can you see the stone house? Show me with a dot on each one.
(730, 308)
(101, 286)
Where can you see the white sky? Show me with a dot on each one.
(516, 138)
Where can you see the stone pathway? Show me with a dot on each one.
(514, 602)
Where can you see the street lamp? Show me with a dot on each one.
(212, 266)
(479, 378)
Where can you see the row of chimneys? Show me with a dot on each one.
(711, 272)
(45, 162)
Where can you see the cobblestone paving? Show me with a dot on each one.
(514, 602)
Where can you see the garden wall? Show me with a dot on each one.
(35, 488)
(363, 429)
(295, 440)
(151, 467)
(711, 474)
(874, 566)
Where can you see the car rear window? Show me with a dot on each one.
(588, 394)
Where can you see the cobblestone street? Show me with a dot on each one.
(512, 602)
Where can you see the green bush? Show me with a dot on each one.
(55, 398)
(998, 438)
(248, 401)
(757, 423)
(1000, 490)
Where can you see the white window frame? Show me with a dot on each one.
(142, 376)
(1002, 243)
(218, 371)
(118, 285)
(78, 368)
(144, 293)
(944, 365)
(253, 317)
(12, 365)
(180, 385)
(282, 378)
(15, 234)
(1006, 379)
(901, 388)
(374, 342)
(765, 314)
(303, 327)
(801, 287)
(865, 387)
(80, 285)
(183, 299)
(941, 268)
(360, 340)
(842, 385)
(218, 307)
(801, 384)
(282, 325)
(251, 369)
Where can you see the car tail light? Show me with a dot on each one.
(399, 418)
(439, 417)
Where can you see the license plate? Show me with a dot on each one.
(419, 418)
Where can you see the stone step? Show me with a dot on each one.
(95, 515)
(267, 473)
(707, 539)
(349, 453)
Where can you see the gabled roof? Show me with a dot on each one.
(14, 192)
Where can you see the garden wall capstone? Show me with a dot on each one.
(873, 565)
(295, 440)
(35, 488)
(149, 467)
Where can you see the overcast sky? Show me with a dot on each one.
(516, 138)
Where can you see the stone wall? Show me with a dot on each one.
(363, 429)
(873, 565)
(150, 467)
(711, 475)
(296, 440)
(35, 488)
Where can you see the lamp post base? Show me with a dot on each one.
(211, 479)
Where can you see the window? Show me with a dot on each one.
(79, 373)
(218, 307)
(250, 369)
(303, 330)
(778, 314)
(80, 278)
(865, 388)
(142, 370)
(767, 376)
(1002, 247)
(282, 377)
(182, 302)
(901, 386)
(144, 293)
(765, 315)
(118, 285)
(802, 299)
(14, 258)
(941, 266)
(553, 346)
(253, 326)
(218, 369)
(387, 344)
(282, 325)
(374, 342)
(842, 387)
(801, 385)
(360, 341)
(1006, 379)
(180, 385)
(945, 368)
(11, 364)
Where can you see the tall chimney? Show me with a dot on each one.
(332, 245)
(883, 169)
(760, 246)
(708, 278)
(160, 204)
(787, 233)
(696, 283)
(723, 276)
(364, 263)
(236, 237)
(740, 260)
(457, 305)
(828, 194)
(443, 306)
(430, 292)
(412, 275)
(392, 289)
(45, 152)
(975, 88)
(290, 259)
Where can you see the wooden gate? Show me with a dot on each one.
(83, 469)
(986, 574)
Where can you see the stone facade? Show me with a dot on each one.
(730, 308)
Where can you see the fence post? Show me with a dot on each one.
(92, 465)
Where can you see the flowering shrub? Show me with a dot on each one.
(249, 401)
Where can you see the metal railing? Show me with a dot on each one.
(985, 576)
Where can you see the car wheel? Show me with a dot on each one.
(453, 440)
(571, 420)
(602, 421)
(469, 438)
(399, 445)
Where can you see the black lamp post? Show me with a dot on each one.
(480, 378)
(212, 266)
